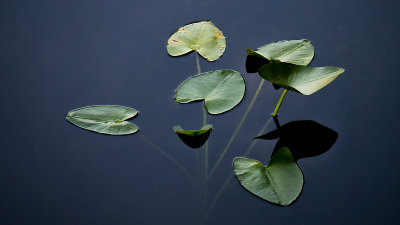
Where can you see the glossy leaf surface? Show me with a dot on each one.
(194, 138)
(303, 79)
(280, 182)
(299, 52)
(105, 119)
(221, 90)
(204, 37)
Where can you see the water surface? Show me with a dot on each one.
(61, 55)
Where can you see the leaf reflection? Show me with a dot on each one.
(194, 138)
(304, 138)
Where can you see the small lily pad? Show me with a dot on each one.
(105, 119)
(303, 79)
(280, 182)
(204, 37)
(221, 90)
(194, 138)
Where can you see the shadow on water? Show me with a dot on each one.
(194, 141)
(253, 63)
(304, 138)
(194, 138)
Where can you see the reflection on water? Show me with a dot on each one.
(194, 138)
(304, 138)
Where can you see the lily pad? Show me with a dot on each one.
(299, 52)
(105, 119)
(303, 79)
(204, 37)
(280, 182)
(221, 90)
(194, 138)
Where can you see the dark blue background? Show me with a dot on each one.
(59, 55)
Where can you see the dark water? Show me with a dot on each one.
(59, 55)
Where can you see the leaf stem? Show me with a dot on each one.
(198, 63)
(237, 128)
(205, 156)
(279, 103)
(229, 178)
(253, 143)
(179, 165)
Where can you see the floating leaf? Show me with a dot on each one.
(204, 37)
(105, 119)
(280, 182)
(304, 138)
(221, 90)
(303, 79)
(194, 138)
(299, 52)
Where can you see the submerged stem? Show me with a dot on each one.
(279, 103)
(237, 128)
(180, 166)
(229, 178)
(204, 115)
(205, 156)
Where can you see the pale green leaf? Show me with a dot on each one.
(303, 79)
(280, 182)
(105, 119)
(221, 90)
(204, 37)
(299, 52)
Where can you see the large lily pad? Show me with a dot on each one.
(194, 138)
(221, 90)
(204, 37)
(299, 52)
(105, 119)
(303, 79)
(280, 182)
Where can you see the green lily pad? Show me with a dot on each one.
(221, 90)
(194, 138)
(299, 52)
(105, 119)
(204, 37)
(303, 79)
(280, 182)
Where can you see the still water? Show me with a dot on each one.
(60, 55)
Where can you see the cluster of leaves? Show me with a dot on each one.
(284, 64)
(221, 90)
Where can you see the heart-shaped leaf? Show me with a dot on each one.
(299, 52)
(204, 37)
(194, 138)
(280, 182)
(221, 90)
(105, 119)
(303, 79)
